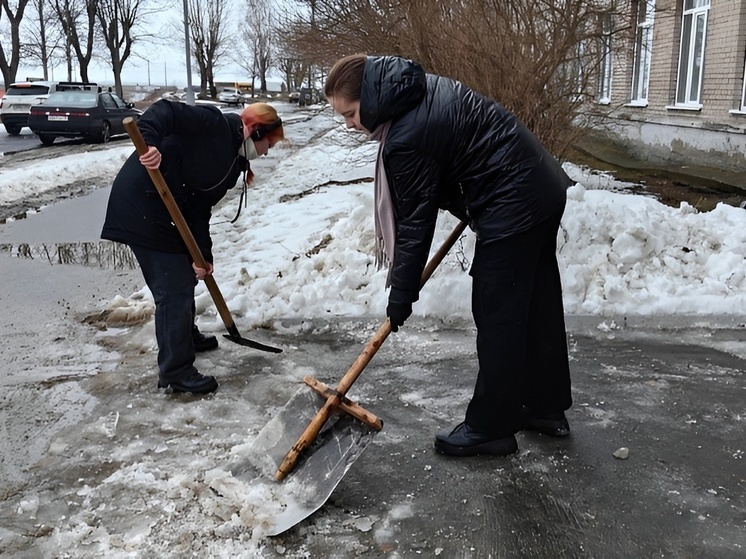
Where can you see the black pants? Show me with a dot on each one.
(521, 339)
(171, 279)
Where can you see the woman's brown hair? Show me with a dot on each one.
(346, 77)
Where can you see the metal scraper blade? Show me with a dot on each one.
(321, 466)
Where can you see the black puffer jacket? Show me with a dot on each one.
(451, 148)
(199, 147)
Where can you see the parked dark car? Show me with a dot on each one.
(90, 113)
(16, 104)
(308, 96)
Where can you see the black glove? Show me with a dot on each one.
(398, 313)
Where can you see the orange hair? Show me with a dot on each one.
(263, 114)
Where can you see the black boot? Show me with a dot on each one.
(195, 383)
(202, 342)
(552, 424)
(465, 441)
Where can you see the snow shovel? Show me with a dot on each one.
(194, 251)
(339, 430)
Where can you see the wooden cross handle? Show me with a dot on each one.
(357, 367)
(346, 405)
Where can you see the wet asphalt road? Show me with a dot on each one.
(26, 140)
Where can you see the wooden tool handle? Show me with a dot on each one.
(380, 336)
(346, 405)
(165, 192)
(186, 234)
(358, 366)
(440, 254)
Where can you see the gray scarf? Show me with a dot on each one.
(384, 209)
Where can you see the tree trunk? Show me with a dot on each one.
(43, 55)
(10, 67)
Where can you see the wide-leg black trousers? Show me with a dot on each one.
(521, 339)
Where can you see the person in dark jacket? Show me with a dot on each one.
(444, 146)
(201, 153)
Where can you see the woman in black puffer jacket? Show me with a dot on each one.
(444, 146)
(201, 153)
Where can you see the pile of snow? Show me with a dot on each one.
(303, 247)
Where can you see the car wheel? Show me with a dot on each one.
(13, 129)
(105, 132)
(46, 139)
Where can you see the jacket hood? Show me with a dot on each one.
(392, 86)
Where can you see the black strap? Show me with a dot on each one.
(242, 199)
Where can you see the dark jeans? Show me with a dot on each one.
(171, 279)
(521, 339)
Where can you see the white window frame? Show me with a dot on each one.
(579, 69)
(643, 53)
(743, 91)
(604, 89)
(692, 54)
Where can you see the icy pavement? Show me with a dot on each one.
(125, 470)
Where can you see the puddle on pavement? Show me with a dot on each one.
(101, 254)
(67, 233)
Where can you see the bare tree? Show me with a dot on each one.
(293, 68)
(122, 26)
(40, 35)
(310, 43)
(207, 23)
(9, 61)
(78, 21)
(117, 20)
(537, 57)
(325, 30)
(256, 54)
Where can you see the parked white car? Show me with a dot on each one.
(231, 96)
(16, 103)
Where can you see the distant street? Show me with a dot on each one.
(11, 144)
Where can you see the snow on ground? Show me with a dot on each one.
(303, 249)
(31, 178)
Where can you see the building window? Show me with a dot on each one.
(604, 90)
(692, 53)
(743, 91)
(643, 51)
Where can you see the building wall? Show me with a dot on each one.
(714, 135)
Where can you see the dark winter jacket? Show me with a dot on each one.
(451, 148)
(199, 148)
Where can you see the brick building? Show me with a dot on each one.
(672, 88)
